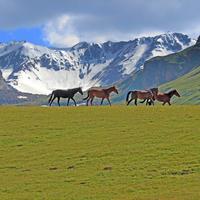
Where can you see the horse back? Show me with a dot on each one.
(62, 93)
(144, 94)
(96, 88)
(98, 92)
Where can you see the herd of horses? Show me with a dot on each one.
(148, 96)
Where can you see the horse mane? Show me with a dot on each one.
(76, 88)
(171, 92)
(107, 88)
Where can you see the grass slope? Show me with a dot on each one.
(188, 86)
(100, 153)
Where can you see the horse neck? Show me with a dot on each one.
(75, 90)
(109, 90)
(155, 93)
(171, 93)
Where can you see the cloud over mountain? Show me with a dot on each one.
(94, 20)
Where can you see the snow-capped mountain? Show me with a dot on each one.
(39, 70)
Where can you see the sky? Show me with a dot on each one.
(63, 23)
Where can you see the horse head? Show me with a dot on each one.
(176, 93)
(115, 90)
(80, 90)
(154, 92)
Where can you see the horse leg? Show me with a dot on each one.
(58, 101)
(143, 101)
(87, 101)
(150, 102)
(163, 103)
(91, 101)
(169, 103)
(73, 101)
(102, 101)
(136, 101)
(52, 100)
(108, 100)
(68, 101)
(129, 101)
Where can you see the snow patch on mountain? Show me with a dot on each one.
(133, 58)
(40, 80)
(6, 73)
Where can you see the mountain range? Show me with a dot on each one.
(30, 71)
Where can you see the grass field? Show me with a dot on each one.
(100, 153)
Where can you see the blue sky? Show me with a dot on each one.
(33, 35)
(63, 23)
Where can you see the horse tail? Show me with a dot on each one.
(143, 101)
(51, 97)
(127, 97)
(86, 97)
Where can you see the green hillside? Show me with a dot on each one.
(188, 86)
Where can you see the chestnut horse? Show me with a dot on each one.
(100, 93)
(165, 97)
(141, 94)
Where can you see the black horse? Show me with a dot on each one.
(64, 94)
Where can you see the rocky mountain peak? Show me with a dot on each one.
(198, 41)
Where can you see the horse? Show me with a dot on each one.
(165, 97)
(99, 92)
(141, 94)
(64, 94)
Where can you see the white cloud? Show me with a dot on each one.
(60, 32)
(193, 31)
(100, 20)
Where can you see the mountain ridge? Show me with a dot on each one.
(38, 70)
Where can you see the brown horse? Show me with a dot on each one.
(141, 94)
(100, 93)
(165, 97)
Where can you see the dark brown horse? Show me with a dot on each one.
(103, 93)
(64, 94)
(141, 94)
(165, 97)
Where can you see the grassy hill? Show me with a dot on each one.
(100, 153)
(188, 86)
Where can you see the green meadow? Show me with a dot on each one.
(100, 153)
